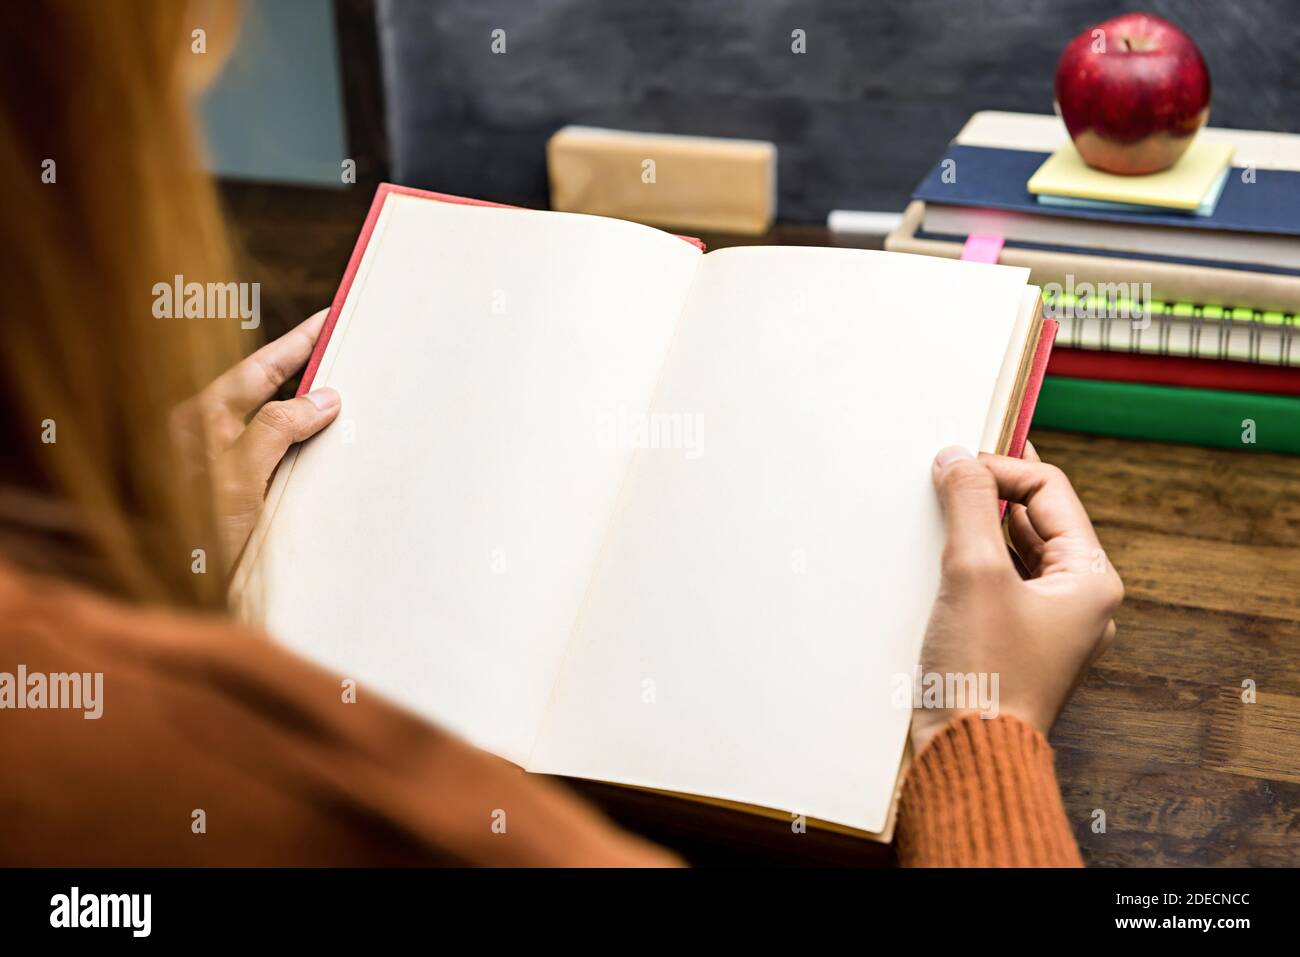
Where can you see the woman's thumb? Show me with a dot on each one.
(969, 496)
(278, 425)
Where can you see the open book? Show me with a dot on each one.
(612, 508)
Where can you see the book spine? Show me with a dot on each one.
(1175, 370)
(1245, 421)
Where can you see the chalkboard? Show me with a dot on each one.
(858, 118)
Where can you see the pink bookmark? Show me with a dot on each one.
(982, 248)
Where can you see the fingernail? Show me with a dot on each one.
(323, 398)
(951, 454)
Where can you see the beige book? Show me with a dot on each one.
(1045, 133)
(612, 508)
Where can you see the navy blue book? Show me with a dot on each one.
(1255, 224)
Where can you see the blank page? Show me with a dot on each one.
(435, 542)
(758, 593)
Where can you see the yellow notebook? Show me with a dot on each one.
(1183, 186)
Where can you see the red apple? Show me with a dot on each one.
(1133, 91)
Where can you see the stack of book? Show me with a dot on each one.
(1177, 293)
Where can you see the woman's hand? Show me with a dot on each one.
(214, 435)
(1038, 620)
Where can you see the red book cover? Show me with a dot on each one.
(1226, 374)
(1033, 386)
(1043, 358)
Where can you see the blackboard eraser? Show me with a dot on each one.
(705, 183)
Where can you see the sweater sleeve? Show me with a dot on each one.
(983, 793)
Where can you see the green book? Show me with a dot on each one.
(1250, 421)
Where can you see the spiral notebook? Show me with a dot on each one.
(1193, 330)
(612, 508)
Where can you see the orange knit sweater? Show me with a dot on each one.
(983, 793)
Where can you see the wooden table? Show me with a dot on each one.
(1158, 738)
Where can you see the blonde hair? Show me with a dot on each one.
(106, 197)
